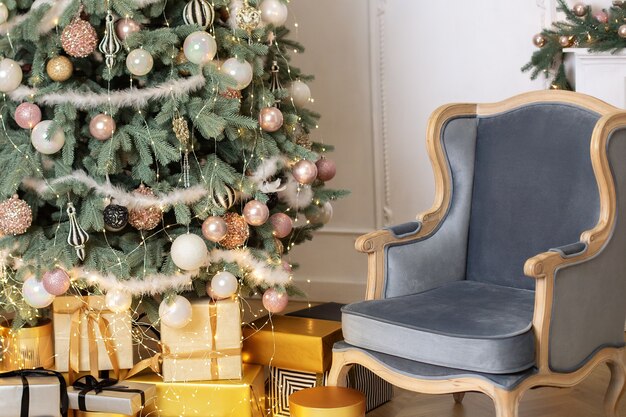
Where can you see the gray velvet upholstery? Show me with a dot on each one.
(425, 264)
(405, 229)
(573, 249)
(534, 189)
(464, 324)
(589, 304)
(427, 371)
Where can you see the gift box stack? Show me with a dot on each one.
(297, 348)
(199, 367)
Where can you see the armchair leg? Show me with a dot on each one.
(338, 375)
(507, 403)
(616, 386)
(458, 397)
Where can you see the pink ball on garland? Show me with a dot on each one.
(304, 171)
(255, 213)
(282, 225)
(270, 119)
(326, 169)
(126, 27)
(580, 9)
(102, 127)
(286, 265)
(15, 216)
(275, 301)
(79, 39)
(601, 16)
(214, 228)
(27, 115)
(56, 282)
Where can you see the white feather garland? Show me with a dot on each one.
(131, 97)
(259, 272)
(296, 195)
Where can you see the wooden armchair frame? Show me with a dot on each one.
(542, 267)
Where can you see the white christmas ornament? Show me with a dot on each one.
(4, 13)
(322, 215)
(35, 294)
(139, 62)
(199, 47)
(47, 142)
(240, 71)
(224, 284)
(300, 93)
(273, 12)
(118, 301)
(189, 252)
(177, 313)
(10, 75)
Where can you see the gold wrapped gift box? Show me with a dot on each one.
(225, 398)
(76, 413)
(26, 348)
(291, 343)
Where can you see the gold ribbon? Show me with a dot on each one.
(94, 320)
(215, 373)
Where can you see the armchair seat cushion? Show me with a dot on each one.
(468, 325)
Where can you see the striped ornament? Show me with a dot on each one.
(199, 12)
(77, 237)
(110, 44)
(225, 199)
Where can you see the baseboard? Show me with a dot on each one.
(338, 291)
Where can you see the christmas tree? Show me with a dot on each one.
(152, 148)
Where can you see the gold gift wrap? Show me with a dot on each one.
(44, 393)
(208, 348)
(115, 402)
(327, 402)
(26, 348)
(90, 316)
(225, 398)
(291, 343)
(77, 413)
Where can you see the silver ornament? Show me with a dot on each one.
(199, 12)
(110, 44)
(77, 237)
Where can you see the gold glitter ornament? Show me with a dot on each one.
(79, 38)
(181, 129)
(145, 218)
(248, 18)
(231, 93)
(15, 216)
(59, 68)
(237, 233)
(301, 137)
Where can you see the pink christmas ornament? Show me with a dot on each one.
(102, 127)
(27, 115)
(270, 119)
(126, 27)
(214, 228)
(286, 265)
(56, 282)
(601, 16)
(304, 171)
(326, 169)
(282, 225)
(255, 213)
(275, 301)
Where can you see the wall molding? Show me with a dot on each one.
(343, 291)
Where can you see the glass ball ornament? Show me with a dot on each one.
(45, 141)
(139, 62)
(79, 39)
(15, 216)
(189, 252)
(322, 215)
(275, 301)
(539, 40)
(248, 18)
(282, 225)
(273, 12)
(59, 68)
(176, 313)
(199, 12)
(10, 75)
(35, 294)
(601, 16)
(224, 284)
(56, 281)
(225, 198)
(286, 265)
(241, 71)
(566, 41)
(27, 115)
(115, 217)
(118, 300)
(4, 13)
(579, 9)
(211, 293)
(214, 228)
(102, 127)
(255, 213)
(270, 119)
(621, 31)
(304, 171)
(326, 169)
(126, 27)
(238, 231)
(300, 93)
(200, 47)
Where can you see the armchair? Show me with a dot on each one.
(516, 277)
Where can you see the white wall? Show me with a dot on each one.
(405, 57)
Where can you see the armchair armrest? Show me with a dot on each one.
(571, 250)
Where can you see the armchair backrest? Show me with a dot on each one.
(533, 188)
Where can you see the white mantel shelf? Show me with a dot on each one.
(599, 74)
